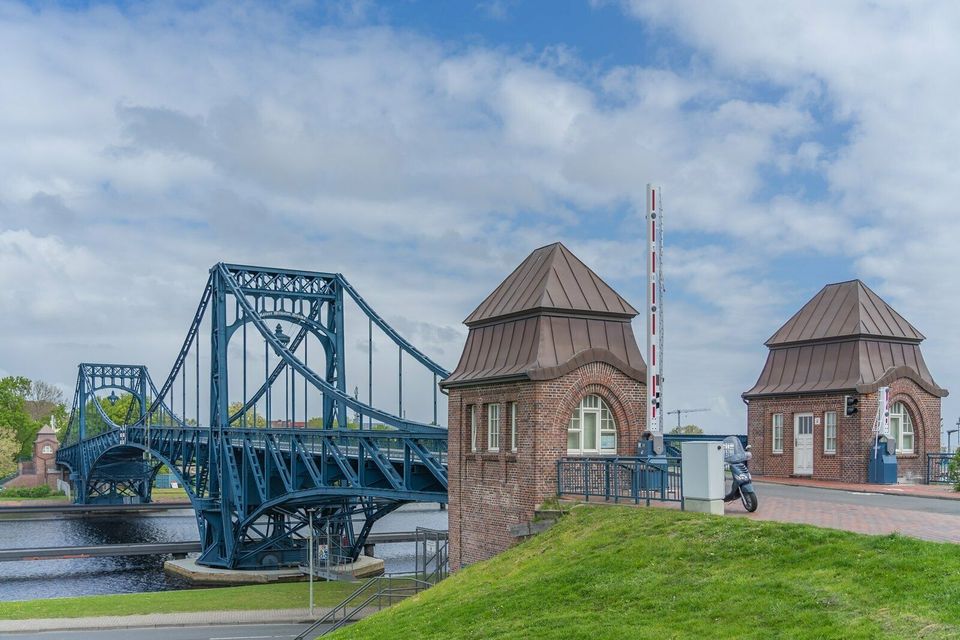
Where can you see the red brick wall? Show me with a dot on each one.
(491, 491)
(854, 434)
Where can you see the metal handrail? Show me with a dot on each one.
(940, 461)
(622, 478)
(392, 593)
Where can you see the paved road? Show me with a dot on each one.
(891, 501)
(925, 518)
(219, 632)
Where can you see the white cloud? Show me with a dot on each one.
(882, 72)
(145, 145)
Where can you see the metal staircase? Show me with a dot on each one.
(377, 593)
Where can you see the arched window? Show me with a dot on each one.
(592, 428)
(901, 428)
(47, 449)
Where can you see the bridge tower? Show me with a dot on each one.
(551, 368)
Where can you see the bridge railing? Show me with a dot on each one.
(621, 479)
(938, 468)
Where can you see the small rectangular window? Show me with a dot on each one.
(513, 427)
(493, 427)
(830, 432)
(777, 439)
(473, 428)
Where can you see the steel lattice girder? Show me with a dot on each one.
(251, 487)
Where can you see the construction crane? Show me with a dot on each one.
(680, 412)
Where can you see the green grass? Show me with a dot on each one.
(292, 595)
(621, 572)
(169, 495)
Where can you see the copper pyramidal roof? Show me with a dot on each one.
(547, 318)
(551, 278)
(846, 338)
(841, 310)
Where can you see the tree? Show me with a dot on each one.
(41, 399)
(953, 470)
(687, 430)
(260, 421)
(9, 449)
(13, 412)
(126, 404)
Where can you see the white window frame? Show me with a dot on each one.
(473, 428)
(903, 417)
(493, 427)
(513, 427)
(606, 427)
(46, 450)
(776, 433)
(827, 437)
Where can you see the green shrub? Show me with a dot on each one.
(43, 491)
(953, 470)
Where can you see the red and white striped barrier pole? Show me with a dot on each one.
(654, 310)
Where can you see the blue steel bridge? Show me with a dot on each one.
(258, 478)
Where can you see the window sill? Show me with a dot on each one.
(776, 453)
(830, 454)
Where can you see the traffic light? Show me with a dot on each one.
(850, 404)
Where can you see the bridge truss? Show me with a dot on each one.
(257, 477)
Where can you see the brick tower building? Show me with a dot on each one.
(844, 341)
(550, 368)
(42, 468)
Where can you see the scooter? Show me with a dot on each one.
(736, 457)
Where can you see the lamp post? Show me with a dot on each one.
(950, 433)
(310, 554)
(112, 398)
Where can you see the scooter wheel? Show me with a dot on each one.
(749, 499)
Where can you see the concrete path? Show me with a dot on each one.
(862, 512)
(223, 632)
(192, 619)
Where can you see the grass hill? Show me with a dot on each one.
(621, 572)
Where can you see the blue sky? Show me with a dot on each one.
(425, 148)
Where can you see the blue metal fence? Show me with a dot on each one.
(621, 478)
(938, 465)
(164, 481)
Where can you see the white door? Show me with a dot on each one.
(803, 444)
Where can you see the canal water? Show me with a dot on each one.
(89, 576)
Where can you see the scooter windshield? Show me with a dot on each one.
(733, 451)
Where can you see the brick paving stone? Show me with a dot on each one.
(937, 527)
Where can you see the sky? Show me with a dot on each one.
(423, 149)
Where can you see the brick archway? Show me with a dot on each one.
(594, 379)
(916, 419)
